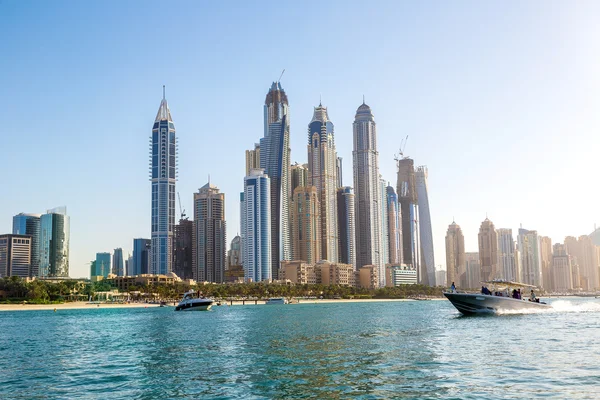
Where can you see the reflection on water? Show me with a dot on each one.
(356, 350)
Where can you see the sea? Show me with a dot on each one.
(368, 350)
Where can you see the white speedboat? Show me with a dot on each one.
(192, 303)
(276, 300)
(497, 300)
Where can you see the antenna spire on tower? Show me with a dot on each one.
(163, 92)
(363, 99)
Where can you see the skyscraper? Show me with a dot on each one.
(256, 227)
(455, 256)
(117, 262)
(473, 270)
(306, 227)
(183, 244)
(299, 176)
(102, 264)
(507, 266)
(529, 249)
(584, 253)
(253, 158)
(275, 160)
(322, 168)
(407, 197)
(15, 255)
(210, 238)
(54, 243)
(29, 224)
(163, 172)
(141, 256)
(369, 235)
(383, 213)
(338, 172)
(394, 227)
(426, 234)
(346, 226)
(129, 265)
(234, 256)
(562, 273)
(488, 250)
(546, 262)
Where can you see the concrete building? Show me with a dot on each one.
(367, 188)
(29, 224)
(54, 243)
(440, 278)
(256, 227)
(368, 277)
(126, 283)
(394, 227)
(253, 159)
(183, 249)
(234, 274)
(298, 272)
(306, 225)
(472, 270)
(322, 168)
(400, 274)
(275, 160)
(584, 251)
(163, 172)
(141, 256)
(562, 272)
(488, 251)
(507, 266)
(455, 256)
(210, 246)
(299, 176)
(103, 267)
(118, 265)
(425, 230)
(529, 249)
(406, 188)
(383, 213)
(546, 262)
(335, 274)
(346, 226)
(15, 255)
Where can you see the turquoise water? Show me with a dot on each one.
(417, 350)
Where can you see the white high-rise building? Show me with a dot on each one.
(427, 257)
(394, 227)
(256, 227)
(322, 163)
(529, 249)
(506, 255)
(369, 235)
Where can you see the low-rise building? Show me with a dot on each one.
(368, 277)
(400, 274)
(298, 272)
(234, 273)
(335, 274)
(123, 283)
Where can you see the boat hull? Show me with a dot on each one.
(473, 304)
(194, 306)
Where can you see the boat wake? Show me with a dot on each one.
(559, 306)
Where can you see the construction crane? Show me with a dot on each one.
(400, 155)
(280, 76)
(181, 210)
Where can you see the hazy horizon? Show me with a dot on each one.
(499, 101)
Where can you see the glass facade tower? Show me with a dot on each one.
(163, 174)
(54, 243)
(29, 224)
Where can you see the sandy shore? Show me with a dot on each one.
(70, 306)
(329, 301)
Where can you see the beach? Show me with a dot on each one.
(71, 306)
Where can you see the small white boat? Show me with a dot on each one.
(276, 300)
(497, 300)
(191, 303)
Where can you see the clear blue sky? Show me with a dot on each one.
(499, 99)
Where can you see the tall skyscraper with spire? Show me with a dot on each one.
(369, 236)
(275, 160)
(322, 166)
(163, 175)
(427, 275)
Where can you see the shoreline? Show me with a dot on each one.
(76, 305)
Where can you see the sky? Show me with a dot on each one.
(499, 100)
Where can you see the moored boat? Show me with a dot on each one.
(191, 303)
(276, 300)
(498, 300)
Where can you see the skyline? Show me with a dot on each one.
(527, 123)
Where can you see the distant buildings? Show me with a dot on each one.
(102, 265)
(346, 226)
(562, 272)
(335, 274)
(394, 227)
(299, 176)
(369, 233)
(506, 255)
(400, 274)
(253, 158)
(529, 250)
(298, 272)
(584, 251)
(256, 227)
(368, 277)
(15, 255)
(54, 243)
(29, 224)
(275, 160)
(306, 225)
(406, 188)
(322, 163)
(546, 262)
(455, 256)
(488, 250)
(440, 277)
(234, 255)
(210, 234)
(426, 233)
(141, 256)
(163, 172)
(473, 270)
(183, 249)
(118, 267)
